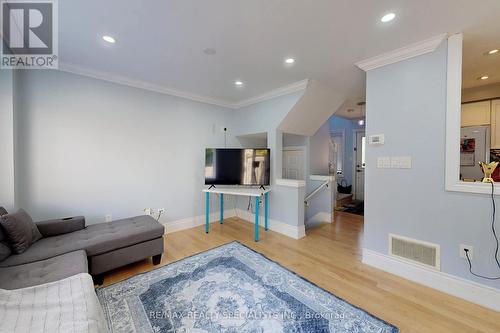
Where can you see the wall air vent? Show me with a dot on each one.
(415, 251)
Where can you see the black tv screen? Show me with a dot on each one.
(233, 166)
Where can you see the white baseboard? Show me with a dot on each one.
(471, 291)
(320, 217)
(295, 232)
(191, 222)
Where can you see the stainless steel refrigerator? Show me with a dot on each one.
(474, 148)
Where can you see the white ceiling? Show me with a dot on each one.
(161, 43)
(476, 61)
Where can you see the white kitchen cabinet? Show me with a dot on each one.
(476, 114)
(495, 124)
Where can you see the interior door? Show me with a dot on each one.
(360, 145)
(293, 164)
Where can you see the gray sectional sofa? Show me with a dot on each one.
(67, 247)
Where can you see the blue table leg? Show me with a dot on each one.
(221, 208)
(207, 211)
(256, 219)
(266, 210)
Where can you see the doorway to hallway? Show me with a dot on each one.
(359, 165)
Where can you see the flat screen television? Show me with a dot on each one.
(233, 166)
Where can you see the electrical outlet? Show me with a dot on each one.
(161, 210)
(463, 247)
(108, 218)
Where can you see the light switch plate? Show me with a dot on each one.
(383, 162)
(395, 163)
(376, 139)
(405, 162)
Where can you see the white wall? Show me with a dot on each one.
(6, 140)
(315, 106)
(92, 147)
(407, 102)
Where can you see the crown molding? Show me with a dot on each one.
(407, 52)
(288, 89)
(100, 75)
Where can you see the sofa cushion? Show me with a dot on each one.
(44, 271)
(3, 238)
(95, 239)
(20, 230)
(5, 250)
(61, 226)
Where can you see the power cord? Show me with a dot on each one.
(493, 229)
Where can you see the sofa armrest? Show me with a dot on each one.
(61, 226)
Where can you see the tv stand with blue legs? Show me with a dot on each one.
(257, 193)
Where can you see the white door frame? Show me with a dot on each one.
(354, 140)
(340, 131)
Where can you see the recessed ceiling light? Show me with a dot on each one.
(109, 39)
(388, 17)
(289, 61)
(484, 77)
(493, 51)
(238, 83)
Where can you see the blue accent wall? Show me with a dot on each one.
(407, 102)
(92, 147)
(348, 125)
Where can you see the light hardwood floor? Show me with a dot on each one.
(330, 256)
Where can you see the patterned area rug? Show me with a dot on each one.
(229, 289)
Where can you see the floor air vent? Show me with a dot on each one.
(414, 250)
